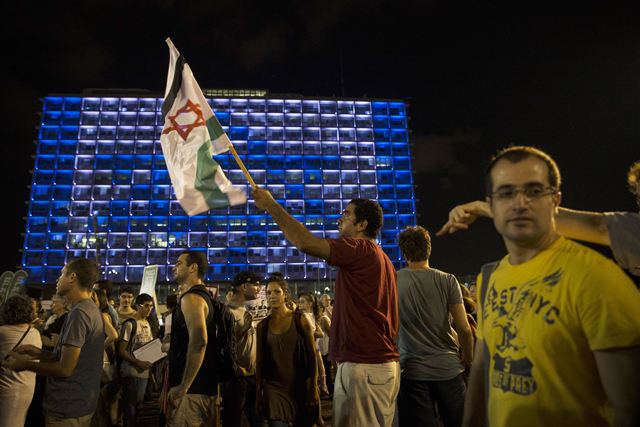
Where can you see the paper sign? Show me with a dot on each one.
(148, 285)
(262, 293)
(46, 304)
(258, 308)
(150, 352)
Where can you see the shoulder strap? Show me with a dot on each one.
(23, 335)
(487, 270)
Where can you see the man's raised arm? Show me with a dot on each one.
(295, 232)
(578, 225)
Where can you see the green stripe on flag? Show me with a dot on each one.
(215, 130)
(206, 178)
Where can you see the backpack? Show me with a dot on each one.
(134, 329)
(225, 343)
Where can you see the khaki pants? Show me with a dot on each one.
(51, 421)
(365, 394)
(192, 410)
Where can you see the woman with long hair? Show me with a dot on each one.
(286, 375)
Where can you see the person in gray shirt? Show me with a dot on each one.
(432, 371)
(74, 367)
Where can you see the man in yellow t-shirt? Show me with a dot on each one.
(558, 324)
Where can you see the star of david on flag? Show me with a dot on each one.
(190, 137)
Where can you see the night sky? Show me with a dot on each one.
(479, 75)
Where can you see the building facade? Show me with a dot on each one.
(101, 189)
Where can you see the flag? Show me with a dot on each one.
(190, 137)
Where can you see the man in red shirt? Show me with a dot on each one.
(365, 313)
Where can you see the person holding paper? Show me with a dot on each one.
(135, 332)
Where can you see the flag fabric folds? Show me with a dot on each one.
(190, 137)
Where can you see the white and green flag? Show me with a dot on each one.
(191, 136)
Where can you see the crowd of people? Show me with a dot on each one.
(549, 335)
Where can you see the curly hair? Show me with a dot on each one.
(633, 177)
(516, 154)
(415, 244)
(370, 211)
(16, 310)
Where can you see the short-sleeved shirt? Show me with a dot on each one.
(541, 321)
(428, 349)
(246, 346)
(143, 335)
(77, 396)
(624, 232)
(365, 310)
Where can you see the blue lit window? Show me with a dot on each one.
(313, 176)
(91, 104)
(366, 162)
(364, 135)
(405, 221)
(124, 147)
(379, 108)
(72, 104)
(349, 177)
(43, 177)
(110, 104)
(136, 240)
(157, 256)
(347, 135)
(331, 177)
(390, 222)
(237, 238)
(402, 177)
(158, 240)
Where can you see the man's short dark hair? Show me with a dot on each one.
(633, 177)
(128, 289)
(370, 211)
(86, 271)
(199, 258)
(16, 310)
(415, 244)
(517, 154)
(142, 298)
(107, 286)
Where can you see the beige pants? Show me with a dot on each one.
(192, 410)
(51, 421)
(365, 394)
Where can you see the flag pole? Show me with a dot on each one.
(246, 173)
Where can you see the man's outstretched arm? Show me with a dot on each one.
(295, 232)
(578, 225)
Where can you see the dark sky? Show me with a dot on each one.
(480, 76)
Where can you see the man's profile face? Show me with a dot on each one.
(126, 299)
(251, 290)
(347, 222)
(180, 270)
(62, 284)
(522, 222)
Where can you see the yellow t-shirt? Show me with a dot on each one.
(541, 320)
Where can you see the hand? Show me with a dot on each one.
(144, 365)
(15, 361)
(55, 338)
(176, 393)
(27, 350)
(462, 215)
(248, 319)
(262, 198)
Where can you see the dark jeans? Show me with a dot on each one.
(417, 399)
(327, 371)
(237, 395)
(133, 389)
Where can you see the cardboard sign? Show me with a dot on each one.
(148, 285)
(262, 293)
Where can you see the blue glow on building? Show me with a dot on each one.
(101, 156)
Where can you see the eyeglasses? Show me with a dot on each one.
(529, 192)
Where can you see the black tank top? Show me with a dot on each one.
(205, 381)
